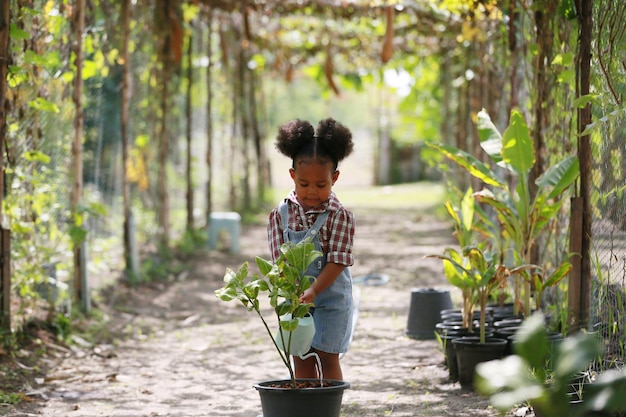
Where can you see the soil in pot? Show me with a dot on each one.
(279, 399)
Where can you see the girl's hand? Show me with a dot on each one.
(308, 296)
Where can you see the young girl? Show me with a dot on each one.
(312, 209)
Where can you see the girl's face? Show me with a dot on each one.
(313, 182)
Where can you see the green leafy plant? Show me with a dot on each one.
(523, 215)
(283, 282)
(464, 230)
(480, 272)
(524, 376)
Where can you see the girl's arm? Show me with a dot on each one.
(325, 279)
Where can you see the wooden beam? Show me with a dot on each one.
(575, 276)
(585, 11)
(5, 280)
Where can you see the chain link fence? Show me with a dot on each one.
(608, 311)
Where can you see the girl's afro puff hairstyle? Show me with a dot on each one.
(332, 140)
(293, 136)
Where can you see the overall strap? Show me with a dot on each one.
(283, 209)
(319, 222)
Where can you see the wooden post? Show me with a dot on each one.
(575, 285)
(585, 12)
(5, 280)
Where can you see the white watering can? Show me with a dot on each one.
(301, 337)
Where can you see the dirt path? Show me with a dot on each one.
(188, 354)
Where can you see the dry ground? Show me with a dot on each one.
(185, 353)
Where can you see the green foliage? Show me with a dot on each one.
(157, 267)
(523, 216)
(10, 398)
(62, 326)
(477, 273)
(523, 377)
(567, 9)
(454, 264)
(419, 110)
(191, 241)
(283, 282)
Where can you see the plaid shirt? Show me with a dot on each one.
(336, 235)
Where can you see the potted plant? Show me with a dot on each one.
(283, 282)
(523, 215)
(525, 376)
(458, 277)
(466, 233)
(482, 272)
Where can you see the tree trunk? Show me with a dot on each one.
(125, 97)
(5, 17)
(544, 41)
(170, 56)
(514, 56)
(78, 29)
(582, 264)
(190, 194)
(261, 175)
(543, 37)
(5, 254)
(233, 174)
(244, 114)
(163, 196)
(209, 118)
(383, 160)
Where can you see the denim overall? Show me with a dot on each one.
(333, 306)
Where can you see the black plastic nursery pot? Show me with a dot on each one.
(320, 401)
(425, 311)
(447, 333)
(470, 352)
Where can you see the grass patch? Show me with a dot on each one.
(415, 195)
(418, 196)
(10, 398)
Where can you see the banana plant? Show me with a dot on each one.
(463, 221)
(523, 216)
(454, 269)
(283, 282)
(480, 273)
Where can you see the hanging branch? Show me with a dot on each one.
(387, 52)
(615, 31)
(328, 71)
